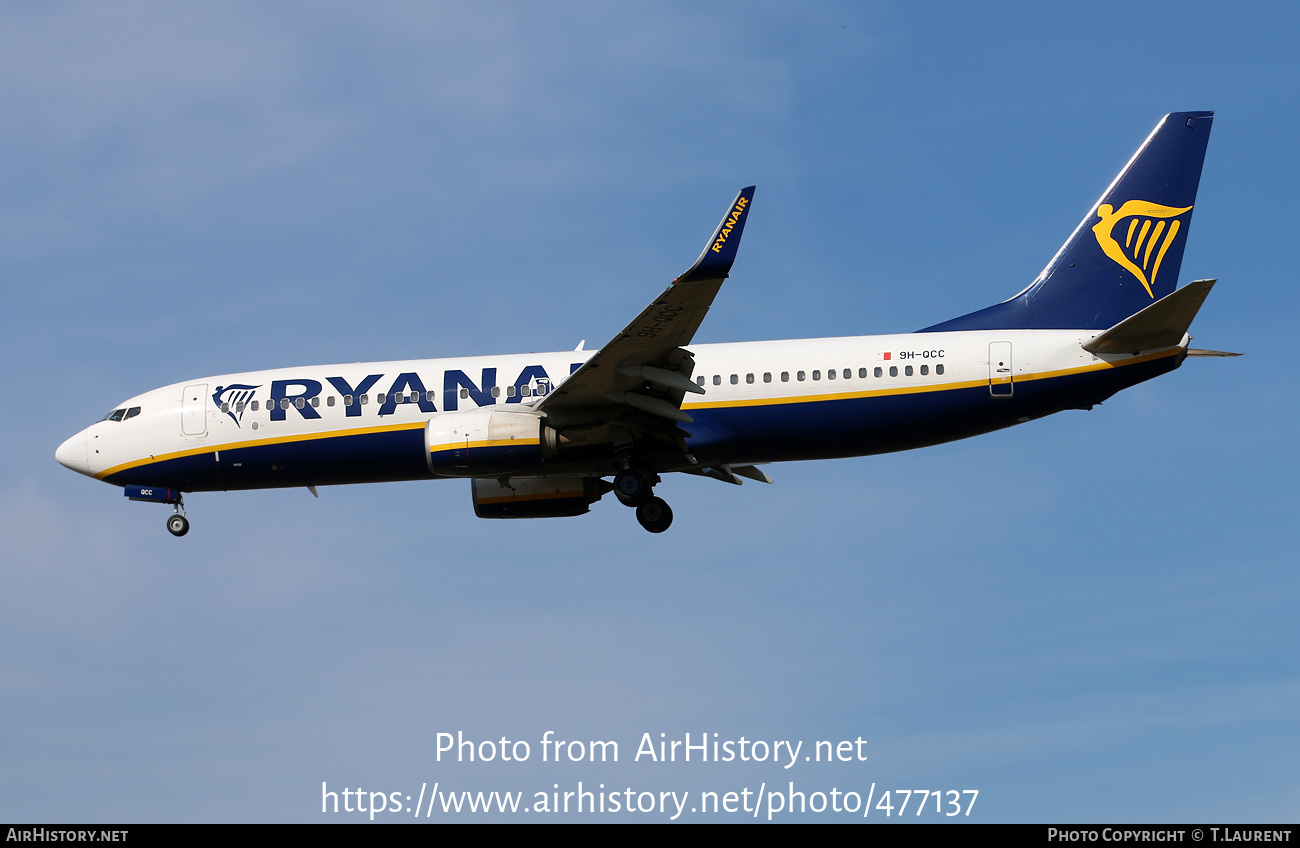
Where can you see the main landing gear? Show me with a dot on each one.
(655, 515)
(634, 489)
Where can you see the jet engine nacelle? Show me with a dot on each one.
(480, 442)
(535, 497)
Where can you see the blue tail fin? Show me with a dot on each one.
(1126, 252)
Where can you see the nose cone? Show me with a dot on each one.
(72, 454)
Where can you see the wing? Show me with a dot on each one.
(644, 369)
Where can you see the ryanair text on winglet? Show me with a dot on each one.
(736, 212)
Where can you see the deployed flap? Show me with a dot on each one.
(751, 472)
(731, 473)
(613, 378)
(1162, 324)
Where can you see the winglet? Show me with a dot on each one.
(720, 253)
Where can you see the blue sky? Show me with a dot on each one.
(1088, 618)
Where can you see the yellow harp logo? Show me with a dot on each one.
(1148, 226)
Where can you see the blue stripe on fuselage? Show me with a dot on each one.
(894, 422)
(327, 461)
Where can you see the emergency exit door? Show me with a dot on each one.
(1001, 383)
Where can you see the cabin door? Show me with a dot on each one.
(194, 410)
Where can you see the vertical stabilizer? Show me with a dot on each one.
(1126, 252)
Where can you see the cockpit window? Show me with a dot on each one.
(122, 414)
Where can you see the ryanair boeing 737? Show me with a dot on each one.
(538, 434)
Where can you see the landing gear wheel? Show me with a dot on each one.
(178, 525)
(655, 515)
(631, 488)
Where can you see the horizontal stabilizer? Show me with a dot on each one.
(1162, 324)
(1192, 351)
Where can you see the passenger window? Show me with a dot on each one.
(862, 373)
(496, 392)
(938, 369)
(329, 401)
(255, 406)
(464, 394)
(284, 403)
(717, 379)
(893, 370)
(749, 378)
(364, 399)
(299, 402)
(510, 391)
(925, 369)
(817, 375)
(848, 372)
(767, 376)
(225, 407)
(699, 381)
(347, 401)
(239, 407)
(735, 379)
(907, 370)
(380, 397)
(799, 376)
(878, 372)
(785, 376)
(315, 401)
(830, 375)
(524, 391)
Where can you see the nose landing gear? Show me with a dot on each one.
(178, 525)
(634, 489)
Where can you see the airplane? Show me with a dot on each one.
(537, 435)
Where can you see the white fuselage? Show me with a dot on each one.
(763, 402)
